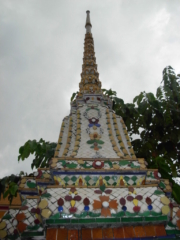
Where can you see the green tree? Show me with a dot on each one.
(155, 119)
(43, 152)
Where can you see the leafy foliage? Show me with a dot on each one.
(74, 95)
(155, 119)
(9, 187)
(43, 151)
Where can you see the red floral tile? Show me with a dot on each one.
(113, 204)
(130, 198)
(21, 226)
(20, 217)
(60, 202)
(136, 209)
(131, 189)
(148, 201)
(122, 201)
(104, 198)
(105, 212)
(108, 191)
(139, 197)
(86, 201)
(97, 205)
(98, 191)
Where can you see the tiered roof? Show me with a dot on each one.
(95, 186)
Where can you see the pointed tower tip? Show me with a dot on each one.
(88, 25)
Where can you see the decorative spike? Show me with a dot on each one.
(88, 25)
(89, 77)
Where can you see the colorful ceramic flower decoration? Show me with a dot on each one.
(165, 209)
(72, 198)
(60, 203)
(105, 205)
(21, 226)
(134, 199)
(94, 122)
(136, 208)
(123, 203)
(97, 164)
(107, 191)
(86, 204)
(94, 136)
(36, 210)
(95, 140)
(132, 191)
(149, 202)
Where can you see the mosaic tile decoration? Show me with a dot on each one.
(144, 202)
(20, 221)
(83, 164)
(95, 187)
(93, 180)
(79, 130)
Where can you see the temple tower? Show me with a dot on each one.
(95, 186)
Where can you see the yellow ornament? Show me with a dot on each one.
(3, 234)
(46, 213)
(165, 210)
(135, 201)
(76, 143)
(46, 175)
(43, 204)
(141, 160)
(78, 137)
(74, 154)
(53, 165)
(116, 166)
(73, 203)
(143, 166)
(80, 161)
(119, 154)
(165, 200)
(23, 180)
(2, 225)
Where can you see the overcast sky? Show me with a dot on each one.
(41, 50)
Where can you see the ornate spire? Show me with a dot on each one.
(88, 25)
(89, 77)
